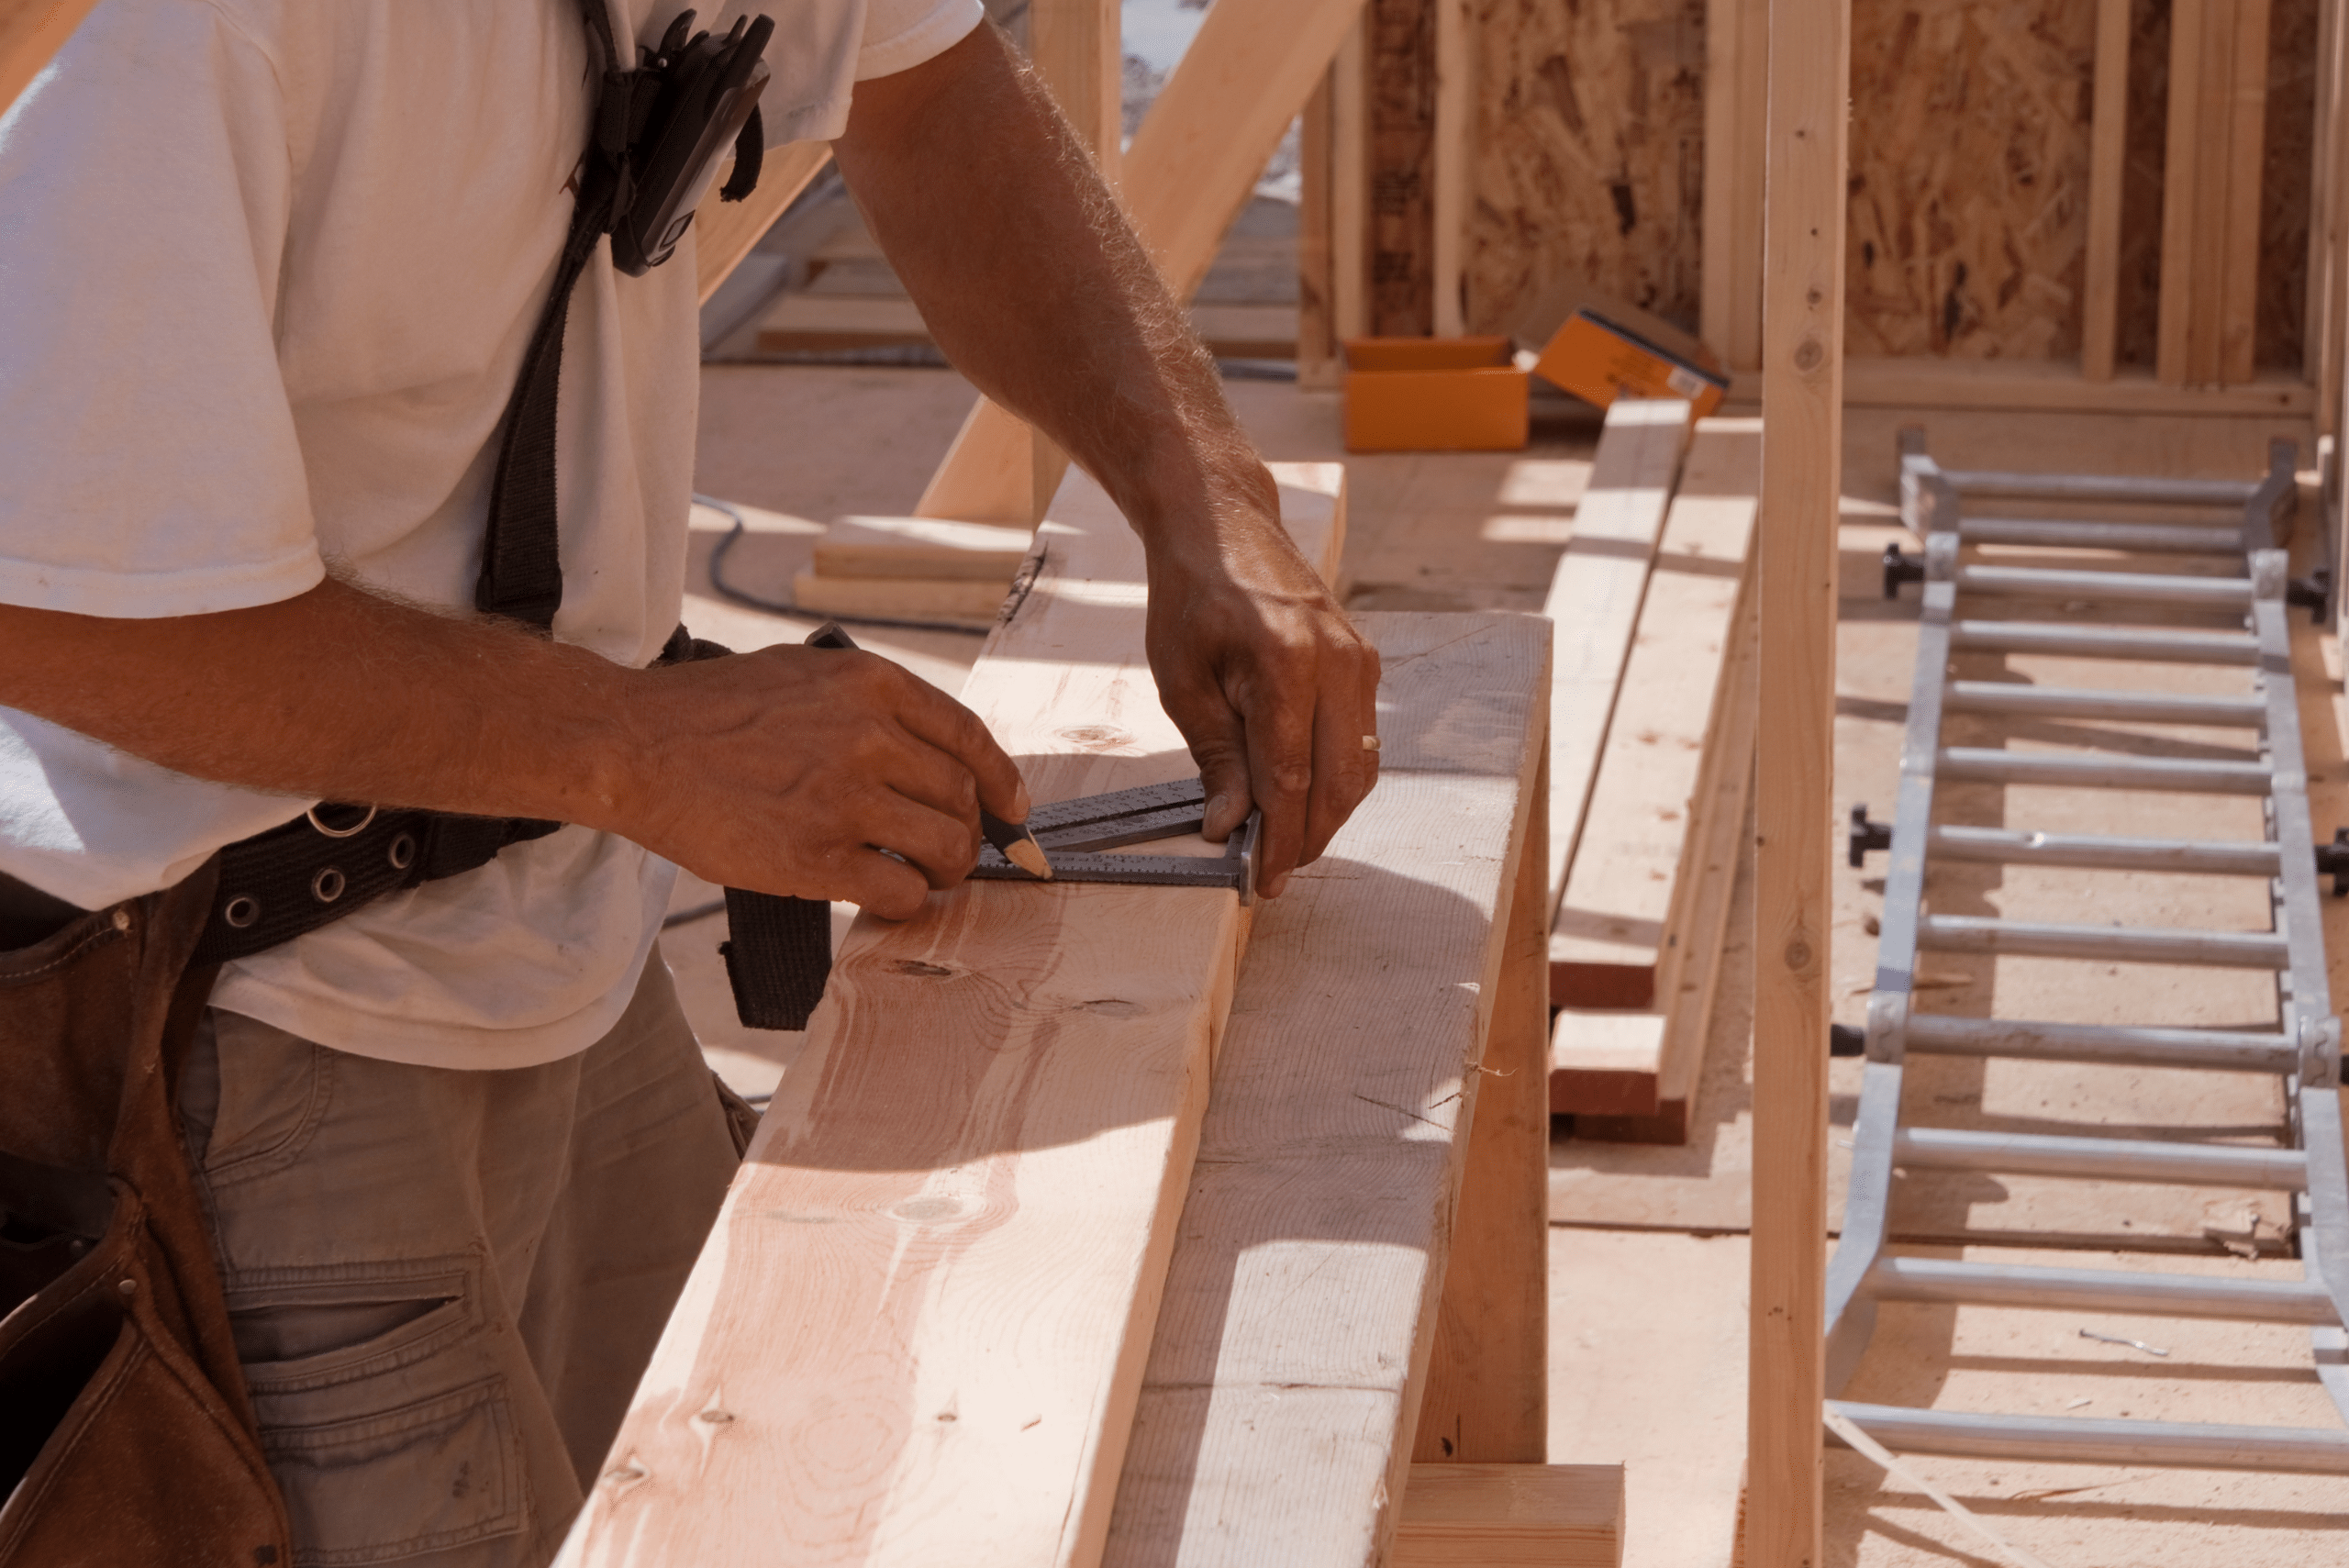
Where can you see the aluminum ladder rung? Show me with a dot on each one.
(2100, 1290)
(2071, 702)
(2002, 846)
(2311, 1451)
(2126, 944)
(2152, 587)
(2101, 1159)
(2180, 646)
(2064, 533)
(2188, 775)
(2226, 1050)
(1996, 485)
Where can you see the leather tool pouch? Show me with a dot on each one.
(125, 1436)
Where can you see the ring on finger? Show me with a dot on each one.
(1370, 743)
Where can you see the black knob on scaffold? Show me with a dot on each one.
(1846, 1039)
(2332, 860)
(1866, 835)
(2312, 593)
(1899, 567)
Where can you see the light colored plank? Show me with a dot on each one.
(1350, 185)
(910, 598)
(1192, 165)
(1317, 337)
(2238, 222)
(2108, 151)
(1616, 913)
(931, 547)
(917, 1330)
(1487, 1387)
(725, 232)
(1278, 1408)
(1511, 1515)
(1594, 599)
(1802, 365)
(2323, 341)
(1074, 45)
(2180, 186)
(31, 32)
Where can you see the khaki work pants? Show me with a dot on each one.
(443, 1285)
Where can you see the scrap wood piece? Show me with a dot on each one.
(1196, 156)
(931, 549)
(1594, 600)
(1279, 1407)
(1511, 1515)
(31, 32)
(916, 1332)
(1612, 944)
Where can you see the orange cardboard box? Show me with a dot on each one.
(1434, 395)
(1598, 362)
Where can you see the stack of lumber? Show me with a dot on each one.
(1644, 894)
(912, 569)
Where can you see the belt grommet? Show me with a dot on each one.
(402, 853)
(242, 911)
(327, 885)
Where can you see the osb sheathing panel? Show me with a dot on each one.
(1969, 177)
(1589, 153)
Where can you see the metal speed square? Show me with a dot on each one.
(1074, 832)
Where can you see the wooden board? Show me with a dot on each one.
(1401, 98)
(1594, 599)
(724, 232)
(2034, 386)
(2108, 146)
(1187, 173)
(910, 598)
(1802, 363)
(31, 32)
(1590, 155)
(1511, 1515)
(931, 547)
(917, 1330)
(1276, 1418)
(1613, 943)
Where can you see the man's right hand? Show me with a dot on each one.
(823, 773)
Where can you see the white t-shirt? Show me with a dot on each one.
(267, 271)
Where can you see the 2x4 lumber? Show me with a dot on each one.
(1284, 1386)
(1194, 161)
(1486, 1398)
(1075, 46)
(1802, 467)
(1511, 1515)
(2018, 386)
(1730, 289)
(1456, 109)
(1613, 943)
(2215, 146)
(1594, 600)
(725, 232)
(916, 1332)
(2323, 340)
(908, 598)
(2238, 225)
(934, 549)
(2108, 152)
(31, 32)
(1317, 337)
(2181, 175)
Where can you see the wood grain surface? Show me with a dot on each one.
(1594, 600)
(916, 1332)
(1280, 1401)
(1511, 1515)
(1802, 367)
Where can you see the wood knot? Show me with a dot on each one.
(924, 1210)
(1799, 954)
(1807, 354)
(921, 970)
(1096, 737)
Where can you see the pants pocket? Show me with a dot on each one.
(386, 1413)
(423, 1477)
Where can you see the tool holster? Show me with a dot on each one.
(125, 1435)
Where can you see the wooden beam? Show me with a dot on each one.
(1450, 202)
(1802, 367)
(1488, 1380)
(31, 32)
(1318, 366)
(1511, 1515)
(2024, 385)
(2181, 165)
(2324, 341)
(1075, 46)
(726, 232)
(1278, 1413)
(1349, 185)
(1192, 165)
(2108, 170)
(1737, 52)
(1402, 151)
(1613, 943)
(916, 1332)
(2238, 223)
(1594, 600)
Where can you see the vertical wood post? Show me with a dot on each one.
(1316, 336)
(1402, 114)
(1737, 54)
(1802, 361)
(1488, 1384)
(2108, 151)
(1455, 112)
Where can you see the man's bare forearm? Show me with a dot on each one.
(336, 694)
(1033, 285)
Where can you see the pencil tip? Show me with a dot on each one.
(1028, 856)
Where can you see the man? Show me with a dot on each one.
(271, 271)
